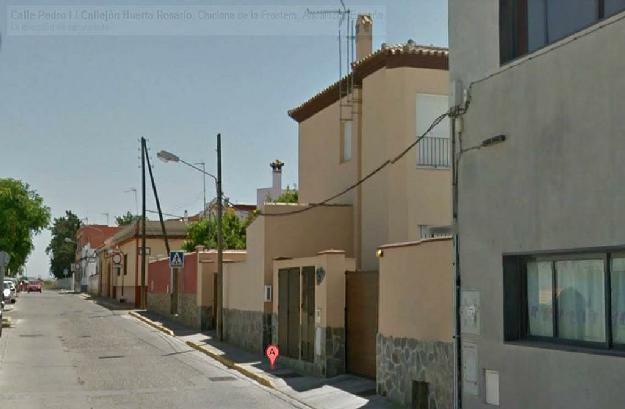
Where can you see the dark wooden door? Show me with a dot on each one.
(361, 321)
(294, 314)
(289, 312)
(308, 313)
(283, 309)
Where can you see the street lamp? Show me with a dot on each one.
(134, 190)
(203, 165)
(170, 157)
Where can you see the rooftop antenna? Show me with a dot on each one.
(346, 58)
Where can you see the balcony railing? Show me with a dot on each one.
(434, 152)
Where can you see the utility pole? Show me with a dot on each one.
(220, 247)
(142, 285)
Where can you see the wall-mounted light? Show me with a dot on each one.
(379, 253)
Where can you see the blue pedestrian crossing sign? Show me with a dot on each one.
(176, 259)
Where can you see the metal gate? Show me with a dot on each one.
(361, 321)
(289, 312)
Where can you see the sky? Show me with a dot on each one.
(73, 104)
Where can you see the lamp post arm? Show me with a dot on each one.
(199, 169)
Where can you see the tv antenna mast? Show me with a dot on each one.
(346, 49)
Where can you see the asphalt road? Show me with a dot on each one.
(65, 352)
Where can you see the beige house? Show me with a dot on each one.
(124, 281)
(312, 271)
(390, 98)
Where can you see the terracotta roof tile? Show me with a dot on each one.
(408, 54)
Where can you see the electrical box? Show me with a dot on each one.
(470, 312)
(457, 93)
(491, 384)
(470, 369)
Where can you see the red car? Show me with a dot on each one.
(33, 286)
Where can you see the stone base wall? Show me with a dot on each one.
(246, 329)
(188, 313)
(274, 329)
(331, 360)
(400, 361)
(160, 303)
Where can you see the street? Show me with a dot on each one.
(65, 352)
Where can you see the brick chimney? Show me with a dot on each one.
(364, 36)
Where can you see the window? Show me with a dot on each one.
(576, 298)
(527, 25)
(346, 142)
(618, 299)
(434, 150)
(125, 264)
(540, 299)
(580, 294)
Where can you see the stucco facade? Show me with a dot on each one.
(415, 335)
(553, 184)
(403, 196)
(270, 237)
(392, 205)
(328, 358)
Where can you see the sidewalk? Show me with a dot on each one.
(343, 391)
(105, 302)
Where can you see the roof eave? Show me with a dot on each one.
(385, 58)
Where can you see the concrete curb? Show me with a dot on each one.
(232, 365)
(228, 363)
(217, 357)
(152, 323)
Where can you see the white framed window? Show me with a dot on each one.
(346, 141)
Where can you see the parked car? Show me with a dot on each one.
(9, 292)
(33, 286)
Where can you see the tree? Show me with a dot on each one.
(288, 196)
(126, 219)
(204, 232)
(22, 214)
(63, 252)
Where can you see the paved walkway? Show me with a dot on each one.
(344, 391)
(109, 303)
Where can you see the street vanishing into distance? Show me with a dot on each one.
(69, 353)
(319, 204)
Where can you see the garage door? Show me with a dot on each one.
(361, 321)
